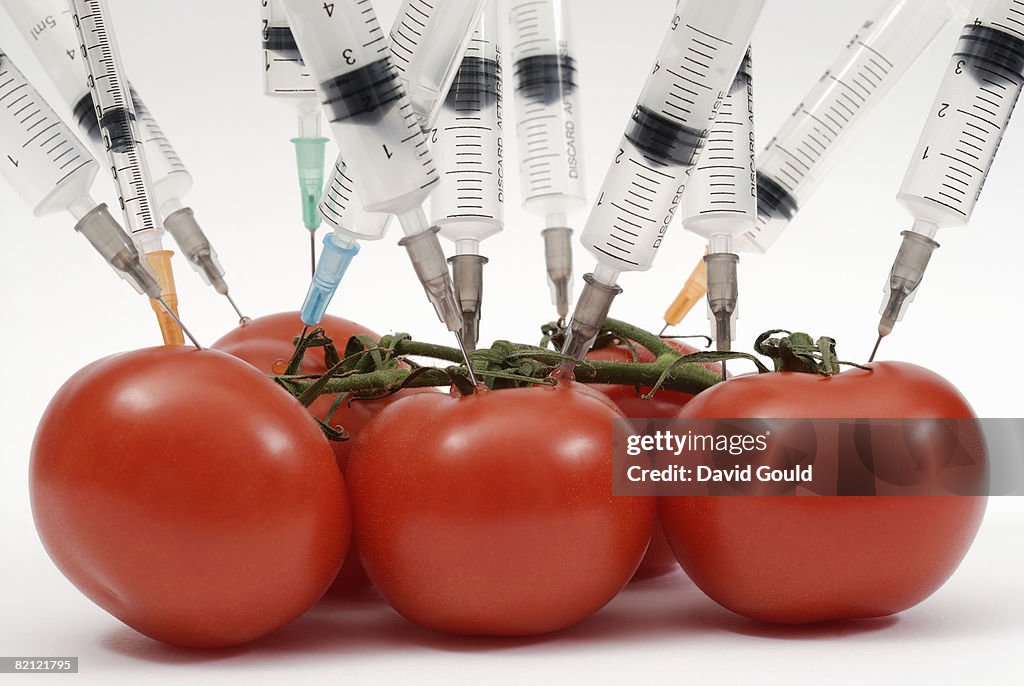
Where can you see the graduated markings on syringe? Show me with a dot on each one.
(716, 158)
(961, 173)
(125, 143)
(855, 93)
(661, 148)
(470, 172)
(33, 118)
(407, 37)
(542, 173)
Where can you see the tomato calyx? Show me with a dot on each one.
(799, 352)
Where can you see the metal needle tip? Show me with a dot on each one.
(725, 372)
(663, 330)
(465, 358)
(241, 317)
(177, 320)
(875, 350)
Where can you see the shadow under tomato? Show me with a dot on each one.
(711, 617)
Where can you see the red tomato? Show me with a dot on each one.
(659, 559)
(188, 496)
(493, 514)
(791, 559)
(267, 343)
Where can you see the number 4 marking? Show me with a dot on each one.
(329, 8)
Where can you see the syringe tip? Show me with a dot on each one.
(663, 330)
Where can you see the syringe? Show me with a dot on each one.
(374, 124)
(116, 116)
(548, 126)
(720, 202)
(428, 40)
(699, 58)
(51, 170)
(47, 27)
(958, 145)
(286, 77)
(469, 203)
(823, 124)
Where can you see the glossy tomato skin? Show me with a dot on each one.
(267, 343)
(493, 514)
(188, 496)
(659, 559)
(790, 560)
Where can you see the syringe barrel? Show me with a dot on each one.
(721, 197)
(47, 28)
(40, 157)
(468, 144)
(116, 115)
(343, 211)
(810, 142)
(284, 73)
(365, 102)
(969, 117)
(698, 60)
(49, 31)
(547, 108)
(428, 40)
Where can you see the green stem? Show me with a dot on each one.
(655, 344)
(685, 378)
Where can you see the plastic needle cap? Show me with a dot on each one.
(334, 262)
(432, 269)
(591, 312)
(558, 255)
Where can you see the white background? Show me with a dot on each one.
(197, 65)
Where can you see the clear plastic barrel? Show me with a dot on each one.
(807, 146)
(469, 203)
(40, 157)
(284, 73)
(428, 40)
(547, 110)
(721, 197)
(370, 114)
(970, 115)
(343, 211)
(696, 64)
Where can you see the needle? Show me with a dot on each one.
(241, 317)
(178, 322)
(725, 374)
(312, 252)
(465, 358)
(875, 351)
(663, 330)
